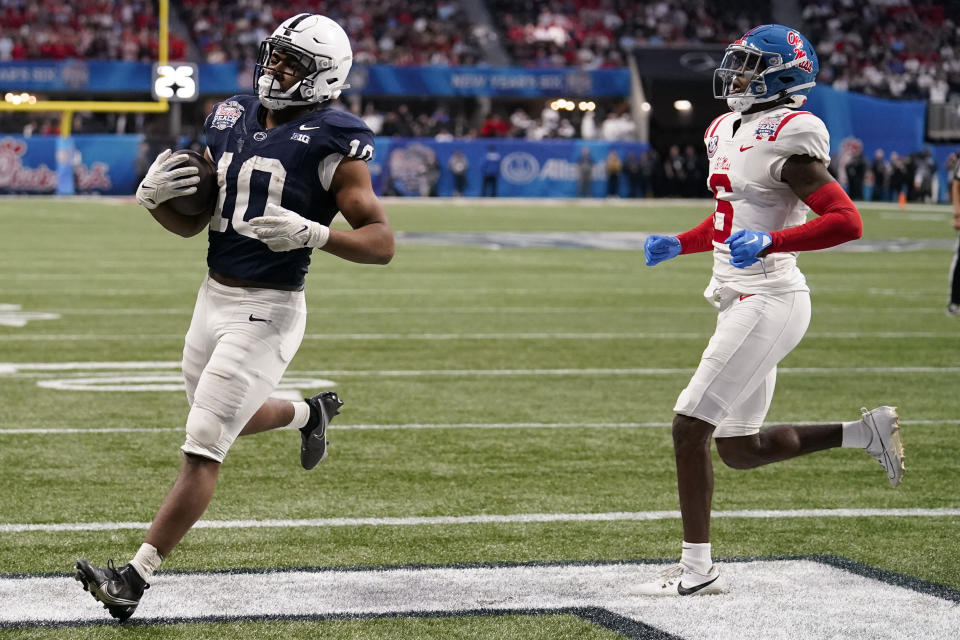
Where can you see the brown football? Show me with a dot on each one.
(204, 200)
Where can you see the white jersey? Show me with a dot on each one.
(746, 155)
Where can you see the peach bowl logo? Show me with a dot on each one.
(226, 115)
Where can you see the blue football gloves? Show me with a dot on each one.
(656, 249)
(746, 245)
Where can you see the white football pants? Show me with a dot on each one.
(733, 386)
(238, 346)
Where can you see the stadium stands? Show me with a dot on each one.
(908, 50)
(595, 33)
(886, 48)
(90, 29)
(398, 32)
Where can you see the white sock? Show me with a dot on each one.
(146, 561)
(301, 414)
(856, 435)
(696, 556)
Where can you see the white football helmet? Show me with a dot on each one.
(321, 46)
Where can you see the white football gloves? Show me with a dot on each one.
(283, 230)
(164, 182)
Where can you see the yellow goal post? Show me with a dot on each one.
(66, 108)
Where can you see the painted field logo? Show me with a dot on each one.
(11, 315)
(127, 376)
(519, 167)
(826, 598)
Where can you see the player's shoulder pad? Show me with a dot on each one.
(723, 120)
(342, 132)
(795, 133)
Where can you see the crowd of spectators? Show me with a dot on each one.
(523, 122)
(886, 178)
(400, 32)
(598, 33)
(425, 119)
(88, 29)
(887, 48)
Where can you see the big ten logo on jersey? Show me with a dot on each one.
(365, 154)
(795, 41)
(301, 137)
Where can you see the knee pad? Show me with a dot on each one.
(204, 427)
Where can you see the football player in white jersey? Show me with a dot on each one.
(287, 163)
(768, 164)
(953, 307)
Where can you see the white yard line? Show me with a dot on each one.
(488, 310)
(612, 372)
(520, 518)
(532, 335)
(34, 368)
(419, 426)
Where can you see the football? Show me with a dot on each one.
(204, 200)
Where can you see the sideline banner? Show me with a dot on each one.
(82, 77)
(106, 164)
(520, 168)
(102, 164)
(489, 81)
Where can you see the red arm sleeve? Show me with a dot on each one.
(698, 239)
(838, 222)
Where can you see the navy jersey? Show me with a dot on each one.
(291, 165)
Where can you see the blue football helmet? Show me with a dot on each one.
(767, 64)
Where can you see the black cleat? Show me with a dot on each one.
(119, 590)
(313, 435)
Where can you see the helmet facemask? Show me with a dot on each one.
(749, 64)
(269, 85)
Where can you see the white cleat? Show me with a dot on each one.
(680, 581)
(885, 444)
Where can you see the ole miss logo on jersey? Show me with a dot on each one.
(712, 144)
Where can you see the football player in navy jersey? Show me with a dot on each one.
(286, 163)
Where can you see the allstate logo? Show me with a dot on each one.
(519, 167)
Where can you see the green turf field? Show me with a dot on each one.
(542, 374)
